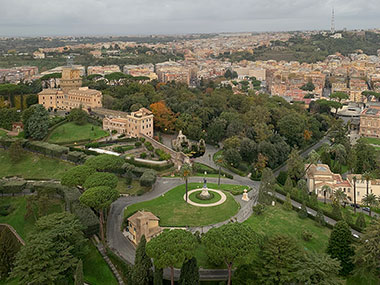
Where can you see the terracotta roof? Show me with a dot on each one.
(142, 215)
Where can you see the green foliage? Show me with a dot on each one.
(47, 148)
(306, 235)
(266, 188)
(309, 86)
(78, 116)
(162, 154)
(258, 209)
(317, 268)
(16, 152)
(171, 247)
(347, 217)
(142, 270)
(9, 246)
(79, 273)
(128, 177)
(336, 211)
(367, 252)
(340, 246)
(360, 221)
(288, 187)
(302, 213)
(86, 217)
(320, 218)
(282, 177)
(106, 162)
(189, 273)
(158, 278)
(52, 250)
(100, 197)
(148, 178)
(277, 260)
(77, 175)
(288, 203)
(295, 165)
(37, 124)
(101, 179)
(7, 117)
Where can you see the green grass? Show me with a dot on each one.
(276, 220)
(95, 269)
(193, 197)
(16, 218)
(70, 132)
(32, 166)
(371, 140)
(174, 211)
(134, 189)
(3, 133)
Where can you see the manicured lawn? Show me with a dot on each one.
(95, 269)
(16, 218)
(32, 166)
(134, 189)
(70, 132)
(371, 140)
(193, 197)
(174, 211)
(276, 220)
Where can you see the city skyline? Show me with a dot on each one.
(88, 17)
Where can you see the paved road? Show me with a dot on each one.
(118, 243)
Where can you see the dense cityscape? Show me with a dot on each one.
(198, 158)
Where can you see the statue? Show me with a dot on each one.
(204, 182)
(205, 194)
(245, 196)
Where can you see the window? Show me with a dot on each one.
(358, 193)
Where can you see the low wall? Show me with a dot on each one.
(178, 158)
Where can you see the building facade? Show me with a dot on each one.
(135, 124)
(142, 223)
(370, 122)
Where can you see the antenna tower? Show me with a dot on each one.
(333, 21)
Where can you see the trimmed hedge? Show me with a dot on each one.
(47, 148)
(148, 178)
(76, 156)
(85, 151)
(13, 186)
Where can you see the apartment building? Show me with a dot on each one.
(370, 121)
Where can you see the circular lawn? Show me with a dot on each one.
(174, 211)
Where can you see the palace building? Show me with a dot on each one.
(70, 94)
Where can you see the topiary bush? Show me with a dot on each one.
(101, 179)
(148, 178)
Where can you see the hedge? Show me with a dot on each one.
(137, 171)
(47, 148)
(148, 178)
(162, 154)
(326, 213)
(6, 142)
(76, 156)
(13, 186)
(85, 151)
(47, 187)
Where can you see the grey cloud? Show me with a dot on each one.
(81, 17)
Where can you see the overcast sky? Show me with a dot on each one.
(132, 17)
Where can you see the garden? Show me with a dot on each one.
(71, 133)
(174, 211)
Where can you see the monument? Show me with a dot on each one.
(245, 196)
(205, 194)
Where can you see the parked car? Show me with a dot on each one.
(367, 209)
(355, 206)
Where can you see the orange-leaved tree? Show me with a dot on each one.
(164, 118)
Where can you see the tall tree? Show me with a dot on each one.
(77, 175)
(158, 278)
(370, 200)
(142, 271)
(230, 244)
(367, 252)
(171, 248)
(99, 198)
(318, 268)
(9, 246)
(340, 246)
(37, 125)
(164, 118)
(185, 172)
(277, 260)
(266, 189)
(79, 273)
(189, 273)
(295, 165)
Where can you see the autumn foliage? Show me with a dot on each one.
(164, 118)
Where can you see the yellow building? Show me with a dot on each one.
(142, 223)
(70, 94)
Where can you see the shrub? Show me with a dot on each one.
(360, 221)
(142, 140)
(258, 209)
(101, 179)
(149, 146)
(13, 186)
(303, 211)
(128, 177)
(320, 218)
(162, 154)
(143, 155)
(288, 203)
(306, 235)
(148, 178)
(76, 176)
(106, 162)
(281, 178)
(93, 145)
(78, 116)
(6, 209)
(138, 144)
(47, 148)
(76, 156)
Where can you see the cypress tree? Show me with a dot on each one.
(158, 276)
(189, 273)
(288, 203)
(347, 217)
(340, 246)
(142, 271)
(288, 187)
(336, 212)
(360, 221)
(303, 211)
(79, 273)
